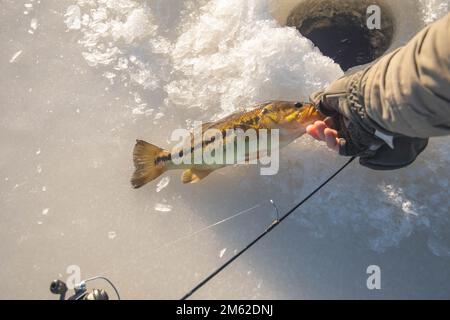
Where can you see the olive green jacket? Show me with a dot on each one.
(406, 92)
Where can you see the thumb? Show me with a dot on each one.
(343, 148)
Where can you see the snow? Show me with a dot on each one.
(73, 17)
(433, 9)
(136, 26)
(167, 64)
(237, 55)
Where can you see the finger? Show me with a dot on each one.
(342, 147)
(320, 128)
(331, 140)
(331, 137)
(311, 130)
(331, 133)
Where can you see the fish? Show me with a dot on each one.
(289, 118)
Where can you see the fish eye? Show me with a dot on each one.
(298, 105)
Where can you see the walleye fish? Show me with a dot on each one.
(290, 118)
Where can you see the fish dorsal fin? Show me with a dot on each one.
(207, 125)
(194, 175)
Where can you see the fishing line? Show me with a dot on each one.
(190, 235)
(83, 284)
(267, 231)
(209, 227)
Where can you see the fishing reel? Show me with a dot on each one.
(81, 292)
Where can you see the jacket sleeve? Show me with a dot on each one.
(408, 91)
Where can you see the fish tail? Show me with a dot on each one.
(149, 161)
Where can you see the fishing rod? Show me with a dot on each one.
(60, 288)
(274, 224)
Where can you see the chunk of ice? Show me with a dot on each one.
(162, 184)
(222, 253)
(73, 17)
(136, 26)
(15, 56)
(34, 23)
(163, 207)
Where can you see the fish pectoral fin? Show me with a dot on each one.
(194, 175)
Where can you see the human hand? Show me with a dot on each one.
(350, 131)
(324, 131)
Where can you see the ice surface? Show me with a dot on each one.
(15, 56)
(105, 72)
